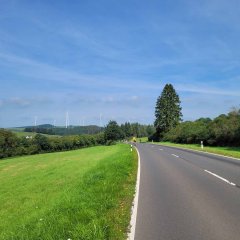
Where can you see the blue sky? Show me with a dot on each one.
(114, 58)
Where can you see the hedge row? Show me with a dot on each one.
(12, 145)
(221, 131)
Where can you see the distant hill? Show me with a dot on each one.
(39, 126)
(62, 131)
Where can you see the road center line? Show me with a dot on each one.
(175, 155)
(160, 149)
(223, 179)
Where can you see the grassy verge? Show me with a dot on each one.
(226, 151)
(82, 194)
(142, 140)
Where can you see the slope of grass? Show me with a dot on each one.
(226, 151)
(24, 134)
(16, 129)
(82, 194)
(21, 133)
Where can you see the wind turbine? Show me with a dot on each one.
(100, 120)
(35, 121)
(67, 120)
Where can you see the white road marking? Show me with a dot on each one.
(209, 153)
(223, 179)
(131, 234)
(175, 155)
(160, 149)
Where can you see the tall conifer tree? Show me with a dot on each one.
(167, 111)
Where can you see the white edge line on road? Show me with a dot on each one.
(133, 221)
(223, 179)
(194, 150)
(175, 155)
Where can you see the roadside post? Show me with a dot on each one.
(131, 147)
(201, 144)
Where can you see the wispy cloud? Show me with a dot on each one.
(19, 102)
(44, 72)
(207, 90)
(116, 58)
(214, 10)
(41, 71)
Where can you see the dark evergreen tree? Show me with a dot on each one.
(167, 111)
(126, 129)
(113, 132)
(150, 129)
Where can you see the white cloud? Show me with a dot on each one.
(20, 102)
(207, 90)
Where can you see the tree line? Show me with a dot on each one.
(136, 130)
(62, 131)
(12, 145)
(113, 132)
(128, 130)
(223, 130)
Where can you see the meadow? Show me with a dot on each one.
(81, 194)
(21, 133)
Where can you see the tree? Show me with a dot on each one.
(127, 129)
(42, 142)
(8, 143)
(225, 129)
(150, 129)
(167, 111)
(113, 132)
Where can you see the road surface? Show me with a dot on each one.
(186, 195)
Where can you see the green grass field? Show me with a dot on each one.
(24, 134)
(16, 129)
(20, 133)
(226, 151)
(82, 194)
(142, 140)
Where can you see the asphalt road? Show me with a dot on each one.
(186, 195)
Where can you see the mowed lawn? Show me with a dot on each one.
(81, 194)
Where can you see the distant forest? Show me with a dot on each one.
(62, 131)
(128, 130)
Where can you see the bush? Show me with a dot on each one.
(222, 131)
(154, 137)
(11, 145)
(8, 143)
(110, 142)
